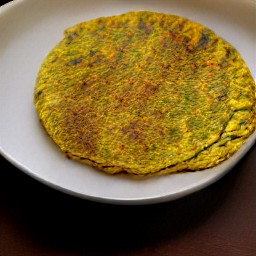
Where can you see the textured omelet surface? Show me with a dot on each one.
(145, 93)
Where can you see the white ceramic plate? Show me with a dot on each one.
(30, 28)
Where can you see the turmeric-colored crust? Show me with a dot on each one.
(145, 93)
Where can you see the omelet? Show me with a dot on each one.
(145, 93)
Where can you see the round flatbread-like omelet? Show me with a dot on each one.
(145, 93)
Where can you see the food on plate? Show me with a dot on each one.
(145, 93)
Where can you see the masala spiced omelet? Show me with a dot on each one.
(145, 93)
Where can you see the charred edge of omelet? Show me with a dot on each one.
(186, 166)
(190, 165)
